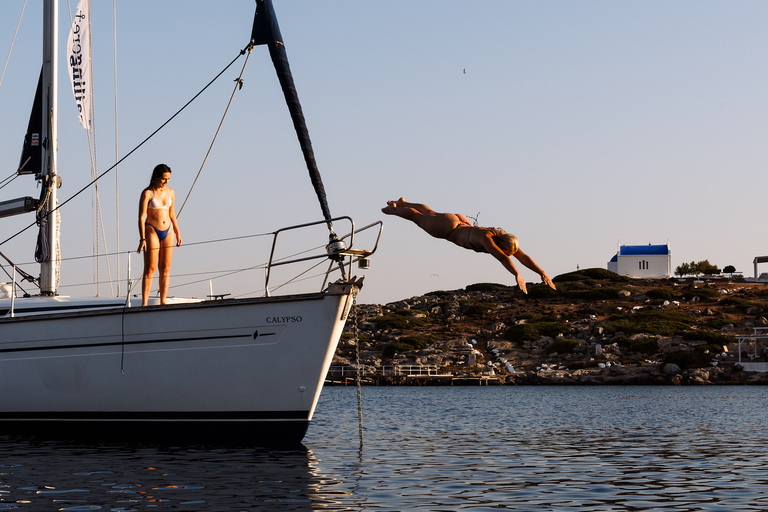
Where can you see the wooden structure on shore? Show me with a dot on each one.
(404, 375)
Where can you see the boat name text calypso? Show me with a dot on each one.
(282, 319)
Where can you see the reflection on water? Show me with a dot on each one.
(530, 448)
(64, 476)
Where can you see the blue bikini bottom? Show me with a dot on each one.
(160, 234)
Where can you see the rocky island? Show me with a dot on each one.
(596, 328)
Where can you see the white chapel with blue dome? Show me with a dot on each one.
(653, 261)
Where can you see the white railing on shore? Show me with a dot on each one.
(755, 338)
(405, 369)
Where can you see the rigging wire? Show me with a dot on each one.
(8, 58)
(238, 86)
(11, 276)
(117, 195)
(97, 214)
(293, 280)
(8, 180)
(25, 275)
(217, 274)
(186, 245)
(96, 177)
(228, 273)
(150, 136)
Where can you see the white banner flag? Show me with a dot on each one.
(78, 59)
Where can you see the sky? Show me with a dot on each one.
(575, 125)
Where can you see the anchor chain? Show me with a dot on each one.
(358, 379)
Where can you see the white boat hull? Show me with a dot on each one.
(251, 367)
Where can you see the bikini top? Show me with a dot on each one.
(465, 243)
(154, 204)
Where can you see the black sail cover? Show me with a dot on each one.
(32, 153)
(266, 31)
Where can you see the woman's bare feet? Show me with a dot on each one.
(399, 203)
(391, 205)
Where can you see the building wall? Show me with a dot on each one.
(642, 265)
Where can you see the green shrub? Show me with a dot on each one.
(407, 344)
(743, 304)
(486, 287)
(662, 294)
(719, 323)
(533, 330)
(586, 284)
(597, 309)
(591, 273)
(440, 293)
(477, 309)
(644, 345)
(521, 333)
(710, 348)
(541, 292)
(351, 336)
(580, 365)
(392, 348)
(688, 359)
(622, 341)
(417, 342)
(399, 320)
(602, 273)
(569, 277)
(715, 339)
(604, 293)
(533, 317)
(564, 346)
(661, 322)
(553, 329)
(701, 293)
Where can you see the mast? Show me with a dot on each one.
(48, 221)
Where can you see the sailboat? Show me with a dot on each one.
(243, 368)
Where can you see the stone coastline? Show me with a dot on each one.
(598, 328)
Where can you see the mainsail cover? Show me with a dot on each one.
(32, 152)
(266, 31)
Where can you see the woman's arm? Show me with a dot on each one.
(174, 222)
(528, 262)
(493, 250)
(143, 201)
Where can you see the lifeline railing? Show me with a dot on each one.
(337, 254)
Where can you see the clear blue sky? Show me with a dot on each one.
(578, 125)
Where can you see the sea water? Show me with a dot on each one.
(436, 448)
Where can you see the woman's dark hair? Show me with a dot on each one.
(157, 173)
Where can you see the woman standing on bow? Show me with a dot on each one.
(156, 218)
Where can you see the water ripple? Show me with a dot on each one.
(436, 449)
